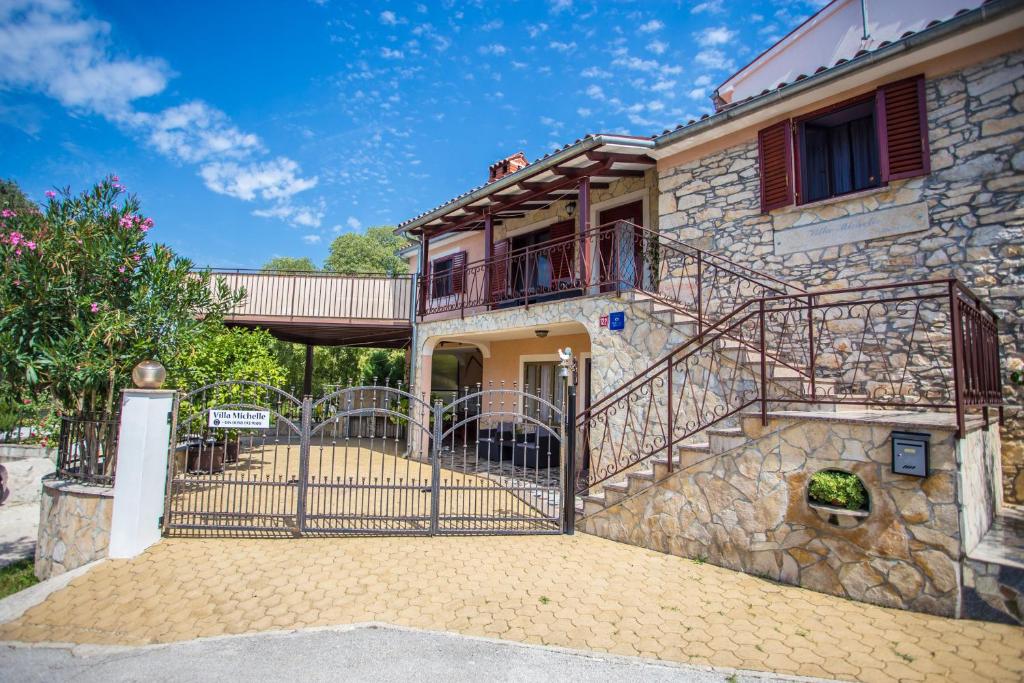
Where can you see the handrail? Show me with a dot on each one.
(304, 273)
(937, 348)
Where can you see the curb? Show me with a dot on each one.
(13, 606)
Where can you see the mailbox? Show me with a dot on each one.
(910, 454)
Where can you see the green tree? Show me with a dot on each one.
(222, 353)
(84, 297)
(376, 251)
(290, 263)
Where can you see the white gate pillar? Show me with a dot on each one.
(140, 481)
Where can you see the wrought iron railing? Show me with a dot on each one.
(927, 344)
(87, 448)
(295, 295)
(615, 257)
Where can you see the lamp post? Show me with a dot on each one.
(567, 370)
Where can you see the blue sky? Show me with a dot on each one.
(255, 129)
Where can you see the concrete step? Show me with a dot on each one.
(724, 438)
(660, 466)
(693, 453)
(639, 481)
(615, 491)
(593, 504)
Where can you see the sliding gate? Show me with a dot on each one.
(253, 460)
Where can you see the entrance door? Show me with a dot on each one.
(619, 251)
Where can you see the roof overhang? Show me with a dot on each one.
(600, 158)
(992, 20)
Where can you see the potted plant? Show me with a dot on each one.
(838, 492)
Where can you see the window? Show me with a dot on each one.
(838, 152)
(441, 277)
(447, 275)
(850, 147)
(542, 379)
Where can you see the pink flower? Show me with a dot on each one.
(115, 179)
(136, 257)
(31, 245)
(120, 269)
(50, 194)
(95, 307)
(15, 238)
(7, 213)
(17, 252)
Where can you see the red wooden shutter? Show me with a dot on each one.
(499, 270)
(562, 249)
(901, 119)
(458, 272)
(775, 156)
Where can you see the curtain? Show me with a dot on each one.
(815, 163)
(864, 153)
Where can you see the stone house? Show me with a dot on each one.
(774, 290)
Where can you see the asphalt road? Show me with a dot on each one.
(367, 653)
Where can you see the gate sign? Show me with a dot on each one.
(240, 419)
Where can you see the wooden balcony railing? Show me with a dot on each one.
(319, 296)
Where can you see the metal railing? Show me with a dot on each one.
(615, 257)
(317, 295)
(926, 344)
(87, 448)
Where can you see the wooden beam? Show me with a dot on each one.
(621, 158)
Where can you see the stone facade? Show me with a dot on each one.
(974, 203)
(747, 509)
(74, 526)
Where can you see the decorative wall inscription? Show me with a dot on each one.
(857, 228)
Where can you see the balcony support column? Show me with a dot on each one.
(307, 375)
(585, 239)
(424, 269)
(488, 253)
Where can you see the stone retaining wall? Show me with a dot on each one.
(747, 510)
(975, 214)
(74, 526)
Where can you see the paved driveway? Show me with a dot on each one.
(579, 592)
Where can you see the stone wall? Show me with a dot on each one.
(747, 509)
(975, 214)
(74, 526)
(979, 475)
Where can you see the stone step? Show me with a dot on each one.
(593, 504)
(693, 453)
(639, 481)
(660, 466)
(615, 491)
(721, 439)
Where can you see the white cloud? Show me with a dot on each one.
(311, 239)
(298, 216)
(492, 25)
(275, 179)
(50, 47)
(558, 6)
(583, 112)
(388, 53)
(388, 18)
(353, 223)
(710, 6)
(716, 35)
(496, 49)
(651, 26)
(697, 94)
(595, 92)
(663, 86)
(194, 132)
(702, 80)
(595, 72)
(713, 58)
(657, 47)
(562, 47)
(635, 63)
(536, 29)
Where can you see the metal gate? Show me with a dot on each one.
(370, 460)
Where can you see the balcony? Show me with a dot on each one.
(324, 308)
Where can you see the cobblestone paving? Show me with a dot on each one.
(578, 592)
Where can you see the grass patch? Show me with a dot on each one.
(17, 576)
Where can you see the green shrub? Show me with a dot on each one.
(838, 488)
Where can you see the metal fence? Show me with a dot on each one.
(297, 295)
(87, 448)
